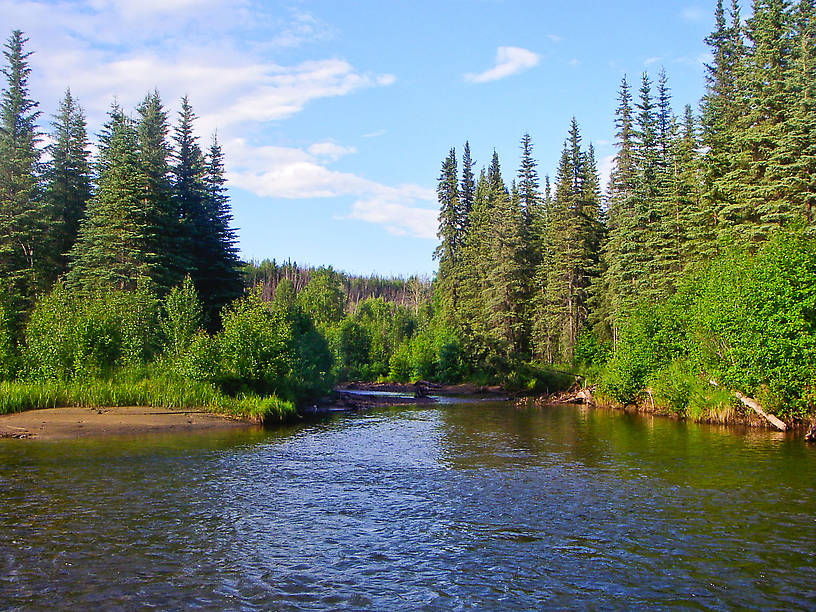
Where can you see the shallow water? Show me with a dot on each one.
(464, 506)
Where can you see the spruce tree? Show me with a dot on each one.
(114, 246)
(504, 291)
(721, 106)
(467, 188)
(157, 197)
(759, 201)
(573, 235)
(622, 248)
(223, 278)
(447, 252)
(67, 178)
(190, 192)
(798, 146)
(23, 212)
(528, 181)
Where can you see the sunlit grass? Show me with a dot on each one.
(17, 396)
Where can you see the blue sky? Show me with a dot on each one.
(335, 115)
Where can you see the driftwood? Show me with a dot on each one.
(754, 405)
(811, 435)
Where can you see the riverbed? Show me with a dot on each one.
(463, 505)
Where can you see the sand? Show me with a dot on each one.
(69, 423)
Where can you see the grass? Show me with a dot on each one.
(17, 396)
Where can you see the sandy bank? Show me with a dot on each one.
(65, 423)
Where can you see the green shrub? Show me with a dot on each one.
(255, 347)
(181, 318)
(79, 335)
(399, 365)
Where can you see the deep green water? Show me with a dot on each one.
(462, 506)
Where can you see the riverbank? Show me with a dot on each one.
(734, 414)
(83, 422)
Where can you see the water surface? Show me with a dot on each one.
(446, 507)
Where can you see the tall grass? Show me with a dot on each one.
(17, 396)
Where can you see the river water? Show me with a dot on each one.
(471, 505)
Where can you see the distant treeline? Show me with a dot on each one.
(410, 293)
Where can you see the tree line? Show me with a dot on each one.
(150, 208)
(553, 273)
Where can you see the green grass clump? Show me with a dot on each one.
(17, 396)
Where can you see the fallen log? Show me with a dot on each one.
(754, 405)
(811, 435)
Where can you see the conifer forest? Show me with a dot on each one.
(690, 275)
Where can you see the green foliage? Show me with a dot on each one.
(255, 346)
(9, 357)
(76, 335)
(754, 323)
(353, 345)
(181, 320)
(322, 299)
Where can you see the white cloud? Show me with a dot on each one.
(375, 134)
(650, 60)
(330, 150)
(575, 62)
(291, 173)
(554, 38)
(509, 61)
(699, 60)
(398, 219)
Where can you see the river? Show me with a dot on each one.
(468, 505)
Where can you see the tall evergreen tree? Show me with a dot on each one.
(447, 252)
(759, 201)
(22, 208)
(528, 181)
(67, 178)
(503, 295)
(157, 196)
(573, 234)
(114, 246)
(190, 192)
(721, 105)
(467, 188)
(798, 148)
(622, 248)
(222, 281)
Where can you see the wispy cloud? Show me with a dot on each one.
(292, 173)
(330, 150)
(398, 219)
(375, 134)
(650, 60)
(509, 61)
(554, 38)
(699, 60)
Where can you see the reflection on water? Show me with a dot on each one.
(467, 505)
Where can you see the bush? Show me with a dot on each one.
(255, 348)
(77, 335)
(181, 318)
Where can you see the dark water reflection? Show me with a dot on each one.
(467, 506)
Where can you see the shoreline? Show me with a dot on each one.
(74, 422)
